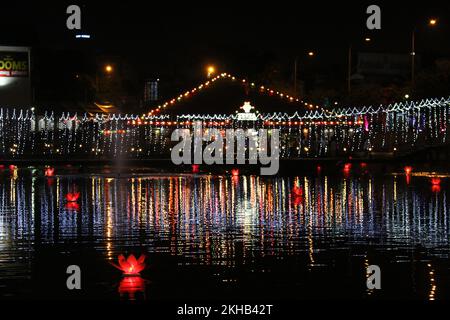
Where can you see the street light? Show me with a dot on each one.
(210, 70)
(310, 54)
(432, 23)
(108, 68)
(349, 64)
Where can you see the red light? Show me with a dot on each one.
(319, 169)
(363, 165)
(49, 172)
(72, 197)
(131, 286)
(72, 206)
(12, 167)
(130, 266)
(408, 170)
(195, 168)
(436, 181)
(347, 167)
(235, 172)
(436, 188)
(297, 191)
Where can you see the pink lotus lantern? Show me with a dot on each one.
(436, 181)
(195, 168)
(72, 197)
(131, 266)
(49, 172)
(235, 172)
(408, 170)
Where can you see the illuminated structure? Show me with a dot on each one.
(397, 128)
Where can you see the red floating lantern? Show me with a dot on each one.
(408, 170)
(235, 172)
(12, 167)
(72, 197)
(130, 266)
(436, 181)
(195, 168)
(49, 172)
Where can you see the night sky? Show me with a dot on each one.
(178, 40)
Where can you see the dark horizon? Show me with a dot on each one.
(238, 38)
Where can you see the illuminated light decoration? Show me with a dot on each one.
(408, 170)
(225, 76)
(195, 168)
(49, 172)
(130, 266)
(363, 165)
(319, 169)
(403, 123)
(12, 167)
(347, 167)
(366, 124)
(131, 285)
(82, 36)
(235, 172)
(72, 196)
(247, 115)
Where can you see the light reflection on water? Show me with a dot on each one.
(209, 220)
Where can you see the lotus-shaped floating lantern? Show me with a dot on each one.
(130, 266)
(408, 170)
(195, 168)
(49, 172)
(235, 172)
(436, 181)
(12, 167)
(72, 196)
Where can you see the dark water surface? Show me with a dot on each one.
(218, 237)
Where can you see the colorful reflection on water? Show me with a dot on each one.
(230, 228)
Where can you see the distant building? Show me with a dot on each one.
(151, 91)
(379, 67)
(15, 77)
